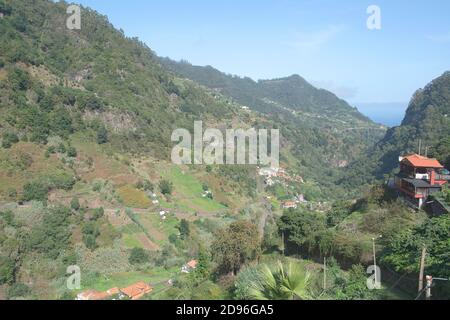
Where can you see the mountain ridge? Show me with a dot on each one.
(305, 96)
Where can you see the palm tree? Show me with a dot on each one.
(284, 282)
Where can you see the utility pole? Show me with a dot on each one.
(420, 147)
(375, 261)
(422, 268)
(429, 284)
(324, 273)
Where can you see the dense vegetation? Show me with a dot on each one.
(324, 133)
(426, 123)
(85, 125)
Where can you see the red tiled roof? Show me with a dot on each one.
(136, 290)
(93, 295)
(423, 162)
(289, 204)
(192, 264)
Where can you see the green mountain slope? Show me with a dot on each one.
(85, 178)
(269, 96)
(323, 131)
(426, 122)
(93, 74)
(96, 80)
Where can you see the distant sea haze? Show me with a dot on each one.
(388, 113)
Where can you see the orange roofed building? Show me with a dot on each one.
(191, 265)
(419, 178)
(92, 295)
(133, 292)
(289, 205)
(136, 291)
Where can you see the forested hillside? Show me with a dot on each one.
(269, 96)
(94, 75)
(326, 133)
(426, 124)
(96, 79)
(86, 118)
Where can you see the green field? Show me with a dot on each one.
(188, 192)
(121, 280)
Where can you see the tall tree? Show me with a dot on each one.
(236, 245)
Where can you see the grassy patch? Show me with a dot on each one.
(133, 197)
(189, 190)
(121, 280)
(158, 229)
(130, 241)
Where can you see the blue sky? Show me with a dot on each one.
(325, 41)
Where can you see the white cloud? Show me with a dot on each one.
(342, 92)
(308, 41)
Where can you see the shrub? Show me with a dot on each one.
(91, 102)
(61, 148)
(90, 234)
(61, 122)
(72, 152)
(98, 213)
(75, 204)
(62, 181)
(51, 150)
(102, 135)
(52, 237)
(166, 187)
(148, 186)
(9, 139)
(6, 270)
(19, 22)
(185, 229)
(173, 238)
(18, 290)
(90, 241)
(139, 256)
(35, 191)
(19, 79)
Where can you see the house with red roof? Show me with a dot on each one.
(191, 265)
(92, 295)
(135, 291)
(419, 178)
(289, 205)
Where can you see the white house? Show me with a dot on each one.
(268, 172)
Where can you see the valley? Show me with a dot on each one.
(87, 177)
